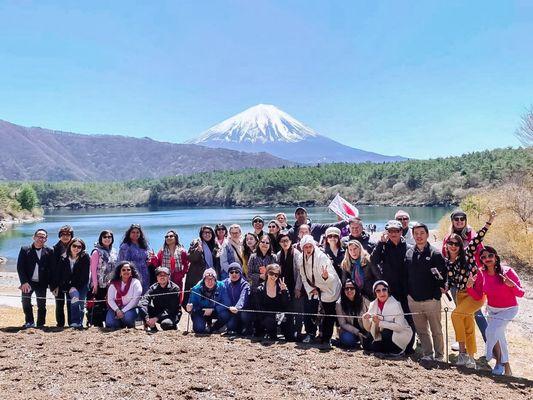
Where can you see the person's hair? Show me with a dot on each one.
(420, 225)
(364, 257)
(351, 307)
(116, 273)
(69, 246)
(498, 267)
(284, 233)
(178, 244)
(281, 213)
(339, 243)
(66, 228)
(143, 242)
(247, 252)
(272, 267)
(235, 226)
(40, 230)
(355, 220)
(269, 251)
(275, 222)
(462, 254)
(221, 227)
(300, 227)
(104, 233)
(212, 244)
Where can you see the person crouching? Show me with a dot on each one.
(161, 303)
(235, 295)
(203, 301)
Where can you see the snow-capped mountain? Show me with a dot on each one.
(265, 128)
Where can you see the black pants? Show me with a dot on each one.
(61, 298)
(328, 323)
(97, 313)
(41, 305)
(385, 345)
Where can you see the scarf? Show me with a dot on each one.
(121, 293)
(167, 259)
(286, 261)
(208, 255)
(358, 276)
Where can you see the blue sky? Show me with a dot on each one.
(419, 79)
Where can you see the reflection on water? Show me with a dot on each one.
(87, 224)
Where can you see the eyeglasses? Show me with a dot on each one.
(456, 244)
(272, 226)
(107, 237)
(125, 270)
(384, 290)
(349, 289)
(66, 234)
(235, 272)
(208, 232)
(169, 236)
(235, 233)
(263, 242)
(285, 241)
(271, 273)
(41, 237)
(459, 219)
(77, 246)
(402, 219)
(489, 255)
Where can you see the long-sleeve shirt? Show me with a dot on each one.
(256, 261)
(129, 300)
(350, 324)
(498, 293)
(390, 259)
(422, 284)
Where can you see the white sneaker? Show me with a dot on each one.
(462, 359)
(470, 363)
(455, 346)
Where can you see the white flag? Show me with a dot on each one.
(343, 209)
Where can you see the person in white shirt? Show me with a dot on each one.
(123, 296)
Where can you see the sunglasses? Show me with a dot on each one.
(402, 219)
(107, 237)
(331, 236)
(459, 219)
(263, 242)
(125, 270)
(456, 244)
(384, 290)
(235, 272)
(273, 274)
(77, 246)
(272, 226)
(489, 255)
(285, 241)
(257, 222)
(349, 289)
(41, 237)
(66, 234)
(170, 236)
(209, 232)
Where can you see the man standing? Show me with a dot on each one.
(403, 218)
(258, 223)
(357, 233)
(317, 230)
(35, 265)
(161, 303)
(426, 273)
(65, 234)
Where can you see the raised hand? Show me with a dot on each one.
(492, 216)
(282, 284)
(325, 273)
(471, 280)
(384, 237)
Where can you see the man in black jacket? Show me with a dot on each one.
(161, 303)
(357, 233)
(35, 265)
(426, 270)
(316, 230)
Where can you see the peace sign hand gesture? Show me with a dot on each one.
(282, 284)
(325, 274)
(471, 280)
(507, 281)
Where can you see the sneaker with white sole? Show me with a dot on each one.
(462, 359)
(427, 358)
(470, 363)
(455, 346)
(498, 369)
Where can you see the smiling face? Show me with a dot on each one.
(234, 275)
(210, 281)
(349, 290)
(64, 237)
(170, 238)
(459, 222)
(273, 275)
(303, 230)
(207, 235)
(251, 242)
(282, 219)
(264, 244)
(382, 293)
(39, 239)
(356, 228)
(125, 272)
(285, 243)
(354, 251)
(273, 228)
(488, 259)
(308, 249)
(162, 279)
(235, 234)
(404, 220)
(135, 235)
(421, 236)
(75, 248)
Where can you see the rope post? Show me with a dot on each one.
(188, 320)
(446, 327)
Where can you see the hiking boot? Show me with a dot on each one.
(470, 363)
(462, 359)
(427, 358)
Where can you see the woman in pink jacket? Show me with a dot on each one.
(172, 256)
(502, 286)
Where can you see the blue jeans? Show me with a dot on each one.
(76, 308)
(235, 322)
(348, 339)
(200, 322)
(128, 321)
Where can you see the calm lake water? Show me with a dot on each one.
(87, 224)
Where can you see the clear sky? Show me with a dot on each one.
(415, 78)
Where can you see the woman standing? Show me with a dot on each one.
(502, 286)
(134, 248)
(273, 231)
(249, 245)
(221, 234)
(103, 259)
(357, 267)
(123, 297)
(350, 307)
(258, 262)
(203, 254)
(273, 297)
(74, 279)
(333, 248)
(172, 256)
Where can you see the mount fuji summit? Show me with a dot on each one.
(265, 128)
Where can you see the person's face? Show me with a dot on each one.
(285, 243)
(349, 290)
(404, 219)
(308, 249)
(273, 275)
(250, 241)
(75, 248)
(234, 275)
(394, 234)
(125, 272)
(459, 222)
(304, 230)
(107, 239)
(264, 244)
(206, 235)
(65, 237)
(170, 238)
(273, 228)
(382, 293)
(235, 234)
(420, 236)
(221, 233)
(162, 279)
(282, 219)
(354, 251)
(301, 216)
(258, 225)
(210, 281)
(333, 240)
(39, 239)
(356, 229)
(452, 246)
(135, 234)
(488, 259)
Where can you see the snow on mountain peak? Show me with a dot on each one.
(263, 123)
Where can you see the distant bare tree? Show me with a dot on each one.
(524, 133)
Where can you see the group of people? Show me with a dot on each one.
(299, 281)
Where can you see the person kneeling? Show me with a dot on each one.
(234, 295)
(161, 303)
(204, 297)
(350, 307)
(123, 296)
(386, 322)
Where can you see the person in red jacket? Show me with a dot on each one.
(172, 256)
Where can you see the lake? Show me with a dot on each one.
(87, 224)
